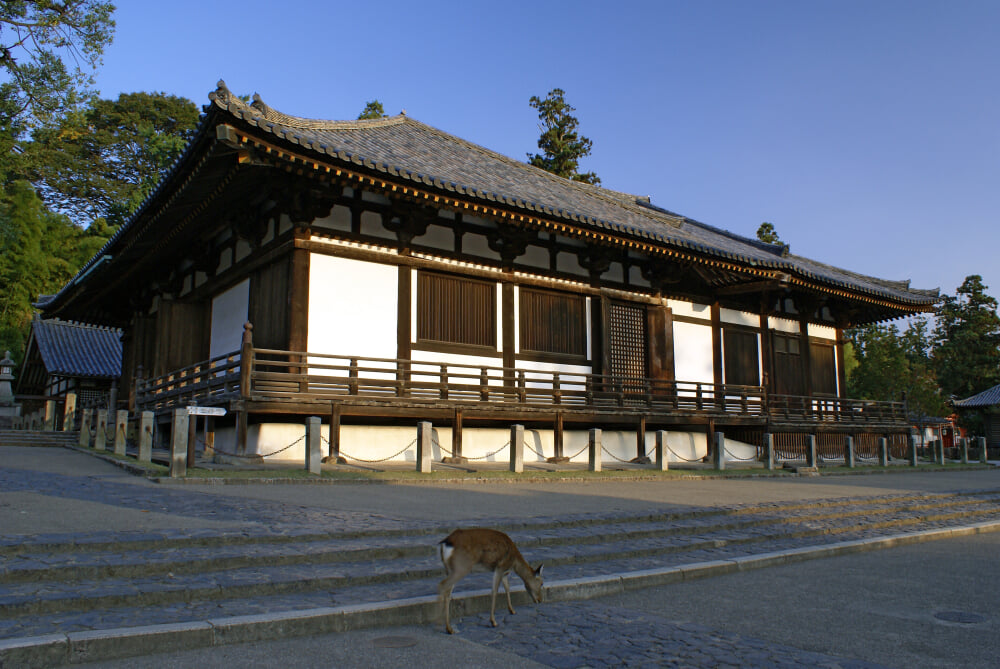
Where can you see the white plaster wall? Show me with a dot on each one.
(230, 311)
(783, 325)
(690, 309)
(739, 318)
(398, 444)
(472, 364)
(822, 331)
(352, 307)
(693, 357)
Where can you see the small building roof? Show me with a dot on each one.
(987, 398)
(76, 349)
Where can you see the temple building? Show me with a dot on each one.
(380, 272)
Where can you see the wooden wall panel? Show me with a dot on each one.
(660, 324)
(269, 304)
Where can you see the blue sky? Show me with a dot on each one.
(867, 132)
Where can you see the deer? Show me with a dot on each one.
(466, 550)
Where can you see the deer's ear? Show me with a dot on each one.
(538, 572)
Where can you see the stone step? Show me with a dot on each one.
(37, 438)
(413, 558)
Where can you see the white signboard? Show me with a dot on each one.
(206, 411)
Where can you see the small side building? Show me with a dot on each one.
(67, 356)
(988, 402)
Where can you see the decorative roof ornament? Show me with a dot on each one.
(259, 105)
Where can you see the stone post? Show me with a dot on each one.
(49, 424)
(981, 443)
(101, 440)
(913, 450)
(720, 451)
(424, 445)
(849, 451)
(769, 451)
(314, 445)
(594, 448)
(940, 452)
(517, 448)
(662, 456)
(883, 452)
(146, 436)
(811, 459)
(121, 431)
(85, 422)
(69, 413)
(965, 451)
(178, 444)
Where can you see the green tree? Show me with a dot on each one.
(967, 340)
(39, 252)
(37, 40)
(373, 109)
(562, 146)
(102, 161)
(767, 233)
(892, 366)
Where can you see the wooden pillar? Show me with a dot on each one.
(717, 353)
(333, 437)
(456, 440)
(192, 441)
(507, 311)
(557, 441)
(209, 435)
(640, 443)
(517, 448)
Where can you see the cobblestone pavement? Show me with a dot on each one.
(575, 635)
(211, 553)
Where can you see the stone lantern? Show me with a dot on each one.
(6, 376)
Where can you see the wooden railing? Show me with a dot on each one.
(793, 408)
(284, 374)
(214, 380)
(267, 374)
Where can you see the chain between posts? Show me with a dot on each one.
(253, 457)
(738, 459)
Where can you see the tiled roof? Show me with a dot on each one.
(410, 150)
(404, 147)
(986, 398)
(77, 349)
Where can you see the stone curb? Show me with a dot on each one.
(78, 647)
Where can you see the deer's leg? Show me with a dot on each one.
(444, 592)
(497, 577)
(506, 589)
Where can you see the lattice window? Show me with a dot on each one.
(628, 340)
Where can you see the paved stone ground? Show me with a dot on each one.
(574, 635)
(58, 496)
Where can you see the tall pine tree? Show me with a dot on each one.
(562, 146)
